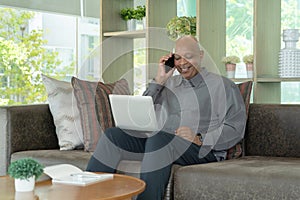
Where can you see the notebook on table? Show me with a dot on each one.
(72, 175)
(133, 112)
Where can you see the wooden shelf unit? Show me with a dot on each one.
(117, 49)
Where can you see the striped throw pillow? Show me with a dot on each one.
(93, 104)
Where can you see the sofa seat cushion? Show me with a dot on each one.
(243, 178)
(78, 158)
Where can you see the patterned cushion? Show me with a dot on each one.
(245, 89)
(93, 104)
(63, 107)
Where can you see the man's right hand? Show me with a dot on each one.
(162, 76)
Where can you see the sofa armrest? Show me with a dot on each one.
(25, 127)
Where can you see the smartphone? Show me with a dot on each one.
(169, 64)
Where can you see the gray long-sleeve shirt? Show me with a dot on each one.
(208, 103)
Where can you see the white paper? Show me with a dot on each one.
(69, 174)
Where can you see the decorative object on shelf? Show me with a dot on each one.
(131, 24)
(248, 60)
(133, 16)
(127, 14)
(140, 16)
(25, 171)
(289, 56)
(180, 26)
(230, 64)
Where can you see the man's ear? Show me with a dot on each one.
(201, 54)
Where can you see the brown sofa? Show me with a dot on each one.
(269, 168)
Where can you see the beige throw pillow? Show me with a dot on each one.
(63, 107)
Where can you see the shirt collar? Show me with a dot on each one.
(195, 81)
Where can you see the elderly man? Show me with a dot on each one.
(202, 115)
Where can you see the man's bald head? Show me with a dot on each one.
(188, 48)
(189, 43)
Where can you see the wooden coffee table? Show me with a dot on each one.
(120, 187)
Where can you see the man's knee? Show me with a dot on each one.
(159, 140)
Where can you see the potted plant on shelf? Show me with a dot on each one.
(248, 60)
(127, 14)
(132, 15)
(25, 171)
(180, 26)
(140, 15)
(230, 64)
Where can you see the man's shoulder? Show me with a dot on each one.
(218, 78)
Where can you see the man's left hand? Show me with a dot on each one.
(187, 133)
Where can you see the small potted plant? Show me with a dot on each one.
(248, 60)
(140, 15)
(131, 15)
(230, 64)
(180, 26)
(25, 171)
(128, 14)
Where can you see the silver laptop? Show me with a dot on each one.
(133, 112)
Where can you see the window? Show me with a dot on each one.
(139, 70)
(239, 32)
(60, 45)
(139, 66)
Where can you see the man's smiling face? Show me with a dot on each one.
(187, 57)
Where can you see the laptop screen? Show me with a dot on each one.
(133, 112)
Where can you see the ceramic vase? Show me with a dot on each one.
(230, 70)
(24, 185)
(144, 23)
(289, 56)
(249, 69)
(131, 24)
(141, 24)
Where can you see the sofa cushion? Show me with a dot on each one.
(63, 107)
(93, 104)
(78, 158)
(273, 130)
(245, 89)
(243, 178)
